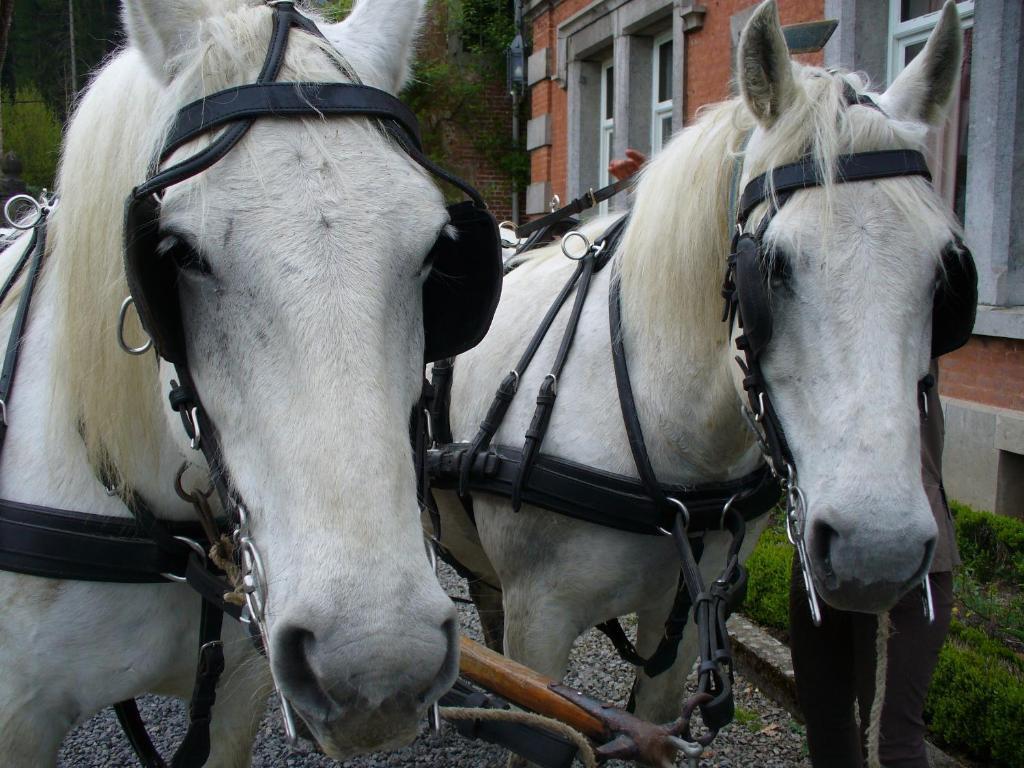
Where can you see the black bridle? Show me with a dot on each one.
(745, 291)
(62, 544)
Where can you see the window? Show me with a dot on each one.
(910, 23)
(607, 126)
(661, 93)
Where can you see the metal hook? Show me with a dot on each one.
(129, 301)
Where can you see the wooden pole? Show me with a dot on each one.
(524, 688)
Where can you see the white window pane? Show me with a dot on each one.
(911, 9)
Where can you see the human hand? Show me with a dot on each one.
(623, 169)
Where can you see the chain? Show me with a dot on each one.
(254, 587)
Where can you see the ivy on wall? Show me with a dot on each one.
(462, 52)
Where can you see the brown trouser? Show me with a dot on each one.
(835, 671)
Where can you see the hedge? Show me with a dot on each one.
(992, 546)
(976, 699)
(769, 567)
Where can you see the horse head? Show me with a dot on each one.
(850, 272)
(300, 259)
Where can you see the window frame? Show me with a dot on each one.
(903, 34)
(606, 130)
(659, 109)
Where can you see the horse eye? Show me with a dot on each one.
(776, 268)
(185, 256)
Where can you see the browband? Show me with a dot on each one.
(804, 173)
(287, 100)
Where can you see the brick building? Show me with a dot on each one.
(605, 75)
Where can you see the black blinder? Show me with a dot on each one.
(752, 294)
(153, 278)
(956, 300)
(462, 291)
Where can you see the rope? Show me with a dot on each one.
(586, 752)
(222, 554)
(881, 669)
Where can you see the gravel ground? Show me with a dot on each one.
(763, 735)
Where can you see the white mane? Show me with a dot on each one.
(116, 130)
(686, 242)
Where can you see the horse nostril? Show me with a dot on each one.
(824, 537)
(294, 647)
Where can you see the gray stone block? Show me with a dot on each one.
(538, 195)
(537, 68)
(538, 132)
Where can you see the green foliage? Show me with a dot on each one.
(770, 567)
(991, 546)
(976, 699)
(33, 132)
(39, 49)
(447, 90)
(748, 719)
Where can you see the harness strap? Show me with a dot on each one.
(578, 205)
(195, 748)
(135, 730)
(600, 497)
(510, 384)
(37, 248)
(549, 387)
(805, 173)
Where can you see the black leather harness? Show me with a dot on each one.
(643, 505)
(61, 544)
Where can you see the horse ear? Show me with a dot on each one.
(765, 72)
(162, 30)
(377, 38)
(923, 90)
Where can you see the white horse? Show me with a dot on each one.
(306, 342)
(852, 326)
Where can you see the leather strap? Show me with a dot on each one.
(37, 248)
(596, 496)
(804, 173)
(60, 544)
(288, 100)
(580, 204)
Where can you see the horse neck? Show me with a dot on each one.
(680, 352)
(44, 460)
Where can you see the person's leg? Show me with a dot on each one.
(914, 647)
(823, 663)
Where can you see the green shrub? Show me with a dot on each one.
(769, 567)
(976, 700)
(992, 546)
(33, 132)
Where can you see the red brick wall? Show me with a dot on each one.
(987, 370)
(708, 50)
(707, 68)
(552, 163)
(461, 155)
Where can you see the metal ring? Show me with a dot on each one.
(129, 301)
(554, 383)
(196, 547)
(584, 238)
(37, 212)
(554, 203)
(683, 510)
(515, 387)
